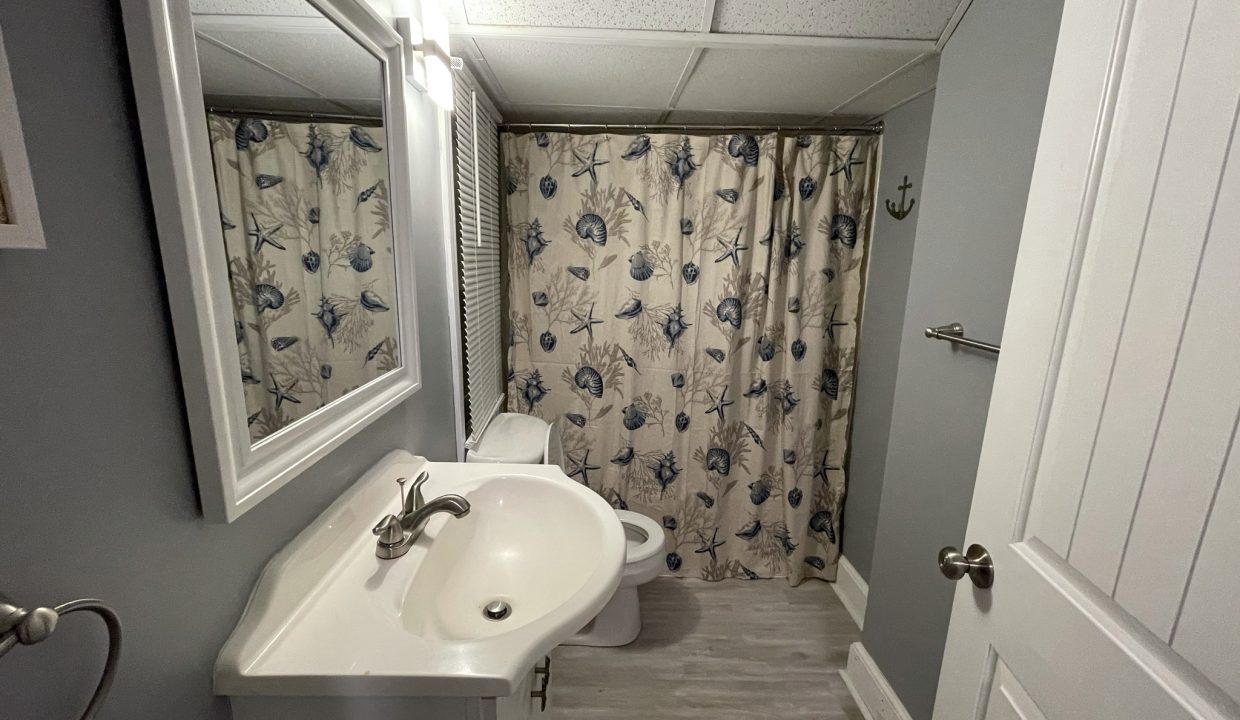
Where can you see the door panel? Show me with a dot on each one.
(1123, 198)
(1079, 655)
(1196, 428)
(1177, 219)
(1126, 427)
(1008, 698)
(1207, 633)
(1114, 517)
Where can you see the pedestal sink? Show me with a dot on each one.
(331, 630)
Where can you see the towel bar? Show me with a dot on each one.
(954, 333)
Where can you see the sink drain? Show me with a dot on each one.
(496, 610)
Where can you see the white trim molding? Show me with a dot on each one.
(952, 23)
(874, 696)
(447, 176)
(852, 590)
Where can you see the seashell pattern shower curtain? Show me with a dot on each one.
(685, 309)
(307, 232)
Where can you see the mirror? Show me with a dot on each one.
(277, 145)
(299, 153)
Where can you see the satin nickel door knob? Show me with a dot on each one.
(974, 562)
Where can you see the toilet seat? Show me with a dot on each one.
(643, 560)
(652, 545)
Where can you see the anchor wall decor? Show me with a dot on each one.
(900, 212)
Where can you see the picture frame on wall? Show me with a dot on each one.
(20, 226)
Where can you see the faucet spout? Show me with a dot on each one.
(398, 534)
(414, 521)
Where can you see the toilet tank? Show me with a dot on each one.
(513, 438)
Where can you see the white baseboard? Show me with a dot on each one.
(870, 688)
(852, 590)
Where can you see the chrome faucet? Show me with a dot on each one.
(398, 533)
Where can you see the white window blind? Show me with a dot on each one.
(476, 144)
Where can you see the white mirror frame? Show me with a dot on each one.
(233, 474)
(24, 229)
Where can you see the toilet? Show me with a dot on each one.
(620, 621)
(519, 438)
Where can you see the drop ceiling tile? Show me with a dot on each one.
(799, 80)
(632, 15)
(331, 63)
(910, 19)
(895, 91)
(518, 114)
(295, 8)
(768, 120)
(580, 114)
(297, 105)
(545, 73)
(729, 117)
(224, 73)
(454, 10)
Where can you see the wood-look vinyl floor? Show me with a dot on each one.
(732, 650)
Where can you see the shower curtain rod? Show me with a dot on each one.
(875, 129)
(296, 115)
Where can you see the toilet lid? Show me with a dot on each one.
(653, 531)
(513, 438)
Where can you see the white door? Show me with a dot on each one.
(1107, 493)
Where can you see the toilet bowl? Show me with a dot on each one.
(518, 438)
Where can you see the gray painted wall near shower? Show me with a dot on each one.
(96, 476)
(987, 116)
(882, 325)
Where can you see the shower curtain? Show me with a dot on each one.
(685, 309)
(307, 233)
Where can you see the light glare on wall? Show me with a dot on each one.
(436, 54)
(427, 59)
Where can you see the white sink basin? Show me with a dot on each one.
(526, 542)
(327, 617)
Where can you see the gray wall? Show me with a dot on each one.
(987, 116)
(882, 325)
(97, 494)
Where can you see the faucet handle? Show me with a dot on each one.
(401, 491)
(389, 531)
(414, 499)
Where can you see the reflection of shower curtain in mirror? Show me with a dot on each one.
(307, 231)
(686, 308)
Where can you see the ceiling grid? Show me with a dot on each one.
(727, 61)
(708, 21)
(261, 62)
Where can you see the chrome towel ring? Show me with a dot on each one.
(19, 626)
